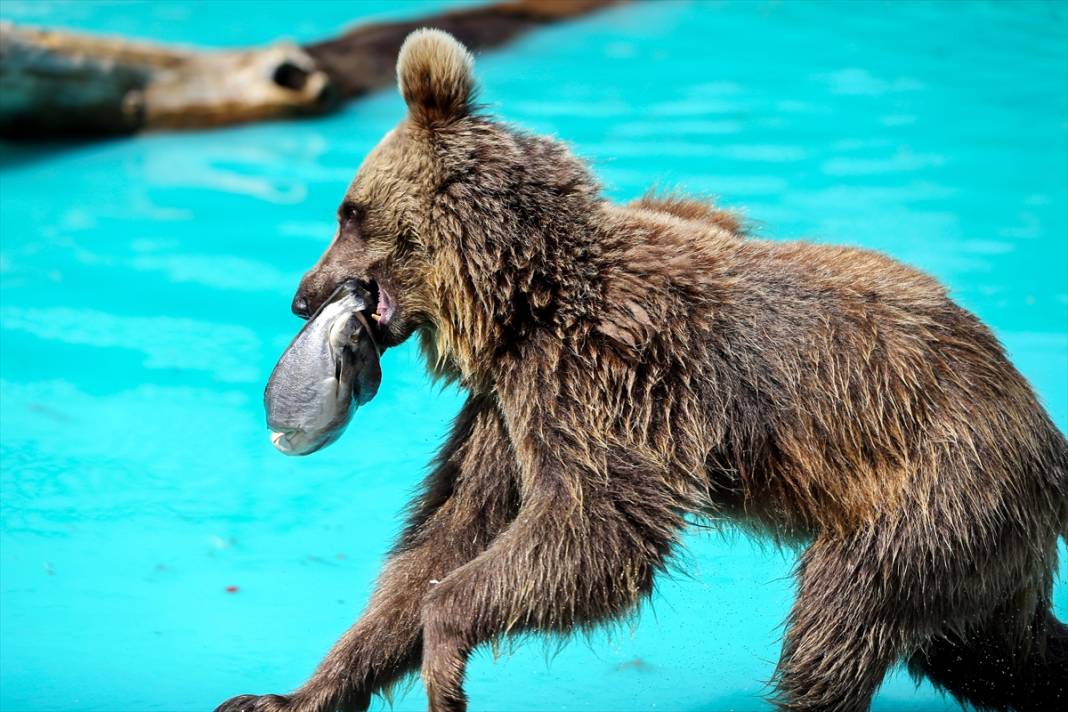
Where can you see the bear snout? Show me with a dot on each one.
(300, 305)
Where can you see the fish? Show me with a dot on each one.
(329, 370)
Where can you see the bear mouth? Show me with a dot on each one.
(380, 311)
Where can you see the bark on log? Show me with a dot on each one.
(62, 84)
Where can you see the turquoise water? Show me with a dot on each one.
(145, 293)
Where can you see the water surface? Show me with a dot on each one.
(145, 294)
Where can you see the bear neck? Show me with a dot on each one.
(513, 224)
(498, 289)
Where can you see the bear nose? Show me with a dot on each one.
(300, 306)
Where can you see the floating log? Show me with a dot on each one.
(63, 84)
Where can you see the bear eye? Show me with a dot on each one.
(349, 216)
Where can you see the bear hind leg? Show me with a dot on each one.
(986, 669)
(841, 637)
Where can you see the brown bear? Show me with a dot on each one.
(630, 365)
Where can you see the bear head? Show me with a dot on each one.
(463, 229)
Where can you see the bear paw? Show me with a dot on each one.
(255, 703)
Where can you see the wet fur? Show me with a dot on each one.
(628, 365)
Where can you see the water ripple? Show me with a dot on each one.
(227, 351)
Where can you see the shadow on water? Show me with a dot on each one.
(21, 152)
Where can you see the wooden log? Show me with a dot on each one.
(365, 58)
(56, 84)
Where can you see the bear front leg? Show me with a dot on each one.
(470, 497)
(562, 563)
(381, 647)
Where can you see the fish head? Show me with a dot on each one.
(329, 370)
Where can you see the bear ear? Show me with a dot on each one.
(435, 76)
